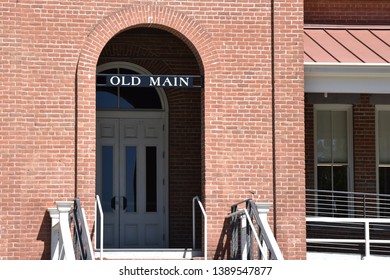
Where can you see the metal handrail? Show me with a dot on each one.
(82, 242)
(197, 199)
(366, 221)
(78, 240)
(249, 220)
(238, 203)
(265, 233)
(98, 206)
(347, 204)
(355, 193)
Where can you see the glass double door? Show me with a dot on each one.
(130, 182)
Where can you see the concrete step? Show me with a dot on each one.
(150, 254)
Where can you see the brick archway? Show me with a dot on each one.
(147, 15)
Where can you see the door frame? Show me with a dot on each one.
(165, 161)
(162, 114)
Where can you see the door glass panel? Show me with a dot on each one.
(107, 177)
(151, 179)
(131, 179)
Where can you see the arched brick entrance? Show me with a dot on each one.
(135, 16)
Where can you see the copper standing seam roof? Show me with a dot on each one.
(347, 44)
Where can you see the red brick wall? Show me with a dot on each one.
(364, 145)
(347, 11)
(289, 129)
(37, 124)
(51, 49)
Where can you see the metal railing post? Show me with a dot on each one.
(196, 198)
(364, 206)
(233, 224)
(98, 207)
(367, 238)
(244, 241)
(249, 232)
(193, 222)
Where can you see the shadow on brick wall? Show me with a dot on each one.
(44, 235)
(224, 243)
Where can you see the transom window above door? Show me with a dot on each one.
(125, 98)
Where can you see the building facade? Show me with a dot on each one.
(346, 123)
(246, 129)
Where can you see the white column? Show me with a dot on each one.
(263, 209)
(267, 234)
(64, 208)
(55, 232)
